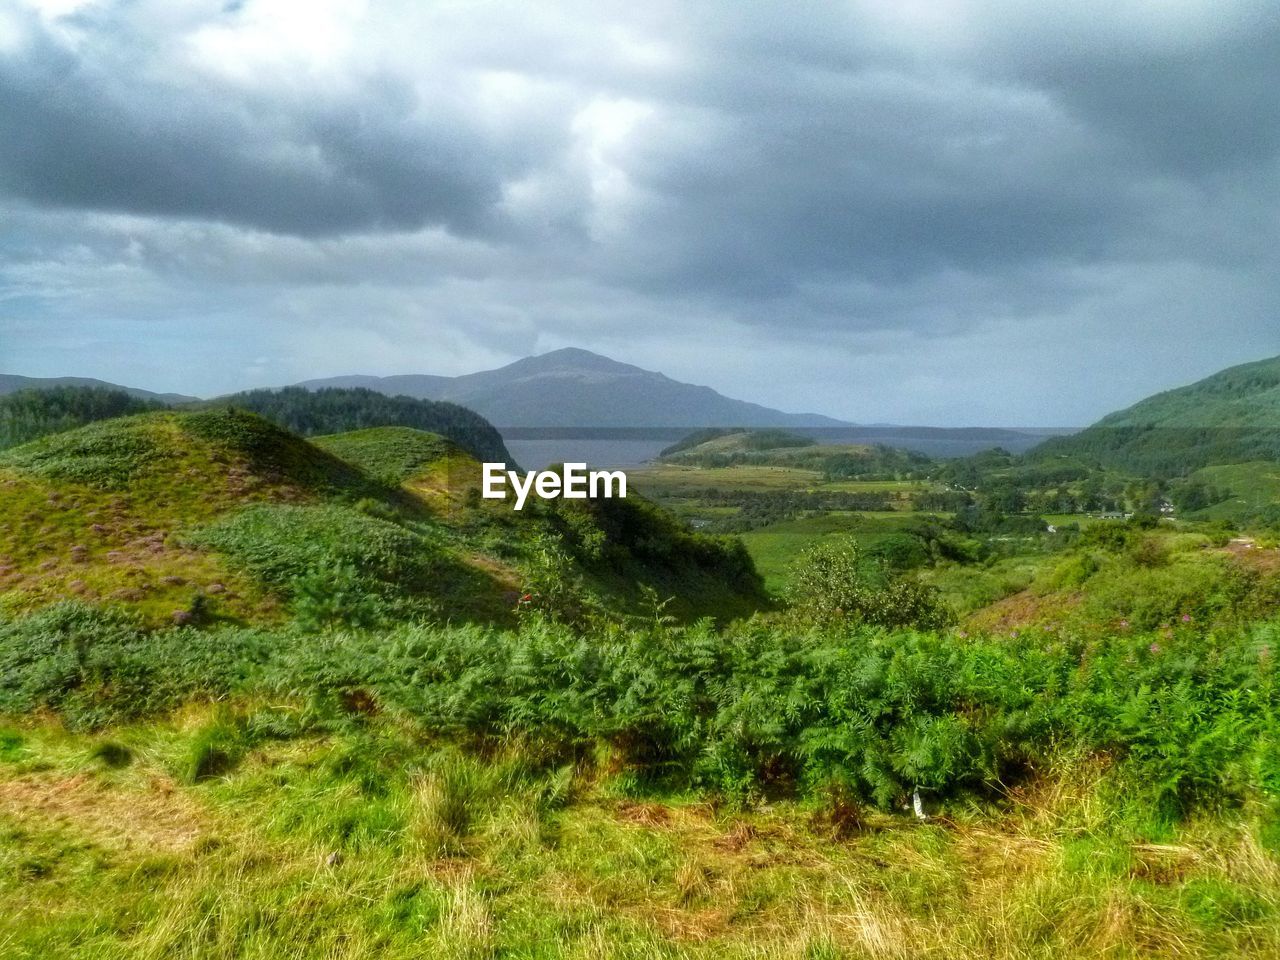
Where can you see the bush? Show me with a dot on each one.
(831, 581)
(337, 564)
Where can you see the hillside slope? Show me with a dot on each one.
(12, 383)
(778, 448)
(217, 515)
(577, 388)
(1230, 417)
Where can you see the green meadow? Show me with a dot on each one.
(269, 696)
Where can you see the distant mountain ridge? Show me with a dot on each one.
(12, 383)
(1232, 416)
(578, 388)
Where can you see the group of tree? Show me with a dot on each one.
(30, 414)
(332, 410)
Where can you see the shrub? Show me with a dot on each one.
(337, 564)
(830, 581)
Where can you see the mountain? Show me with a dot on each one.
(1230, 417)
(577, 388)
(12, 383)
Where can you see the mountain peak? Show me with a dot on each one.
(572, 387)
(570, 358)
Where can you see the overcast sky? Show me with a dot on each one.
(909, 210)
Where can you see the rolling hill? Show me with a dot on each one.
(1230, 417)
(577, 388)
(220, 515)
(779, 448)
(330, 410)
(12, 383)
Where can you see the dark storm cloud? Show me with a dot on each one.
(1010, 151)
(1192, 103)
(94, 132)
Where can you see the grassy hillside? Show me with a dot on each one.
(320, 699)
(1230, 417)
(393, 454)
(1252, 491)
(199, 517)
(718, 448)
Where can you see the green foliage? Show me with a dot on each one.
(29, 414)
(1189, 718)
(332, 410)
(1231, 417)
(333, 594)
(831, 581)
(630, 544)
(338, 564)
(392, 454)
(96, 666)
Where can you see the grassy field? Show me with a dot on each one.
(675, 480)
(1253, 486)
(374, 844)
(775, 548)
(408, 723)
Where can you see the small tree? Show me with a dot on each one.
(831, 581)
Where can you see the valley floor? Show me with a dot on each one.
(149, 842)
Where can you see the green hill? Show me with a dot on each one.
(393, 454)
(104, 512)
(312, 413)
(779, 448)
(222, 515)
(717, 440)
(1230, 417)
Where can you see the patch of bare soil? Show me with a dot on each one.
(155, 819)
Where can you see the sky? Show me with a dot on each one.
(948, 212)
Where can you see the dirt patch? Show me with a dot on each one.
(155, 819)
(645, 814)
(1024, 609)
(1246, 551)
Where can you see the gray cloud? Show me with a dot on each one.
(88, 129)
(947, 195)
